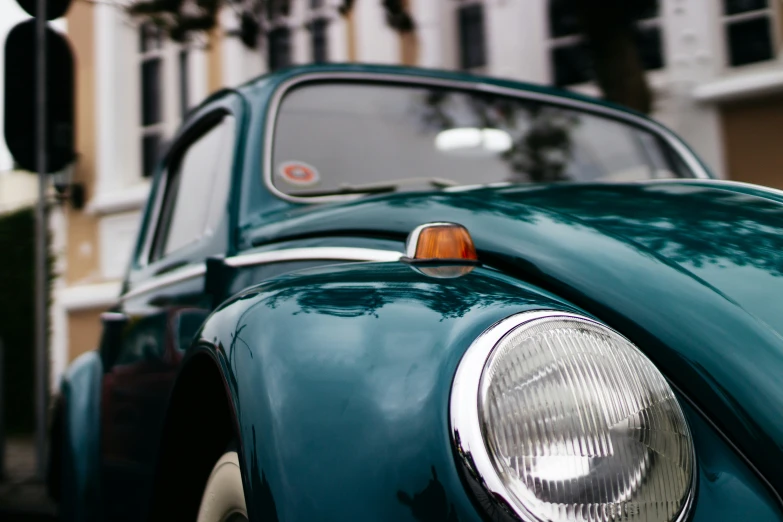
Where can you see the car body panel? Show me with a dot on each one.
(340, 379)
(689, 272)
(80, 441)
(342, 399)
(143, 362)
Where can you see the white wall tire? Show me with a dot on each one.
(224, 498)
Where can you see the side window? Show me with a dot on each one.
(196, 190)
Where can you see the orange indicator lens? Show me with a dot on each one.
(447, 241)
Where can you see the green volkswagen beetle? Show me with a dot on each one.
(377, 293)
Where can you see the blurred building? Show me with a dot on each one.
(715, 66)
(18, 189)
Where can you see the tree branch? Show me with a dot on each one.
(609, 27)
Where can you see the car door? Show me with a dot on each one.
(163, 305)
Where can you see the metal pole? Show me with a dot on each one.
(3, 380)
(41, 285)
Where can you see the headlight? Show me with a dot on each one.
(560, 418)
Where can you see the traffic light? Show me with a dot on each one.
(54, 8)
(21, 107)
(40, 137)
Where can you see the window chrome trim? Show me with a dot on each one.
(261, 258)
(314, 253)
(685, 154)
(167, 279)
(465, 423)
(143, 259)
(188, 135)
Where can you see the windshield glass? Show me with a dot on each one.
(333, 138)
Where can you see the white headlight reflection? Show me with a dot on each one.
(564, 419)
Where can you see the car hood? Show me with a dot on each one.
(692, 272)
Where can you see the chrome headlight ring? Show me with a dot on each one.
(617, 460)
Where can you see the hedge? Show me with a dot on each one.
(17, 318)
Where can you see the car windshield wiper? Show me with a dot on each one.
(378, 188)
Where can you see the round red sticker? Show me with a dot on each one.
(298, 173)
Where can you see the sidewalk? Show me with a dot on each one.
(22, 496)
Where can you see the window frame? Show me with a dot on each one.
(466, 4)
(280, 27)
(322, 21)
(154, 54)
(168, 201)
(318, 12)
(681, 150)
(150, 251)
(772, 13)
(171, 91)
(183, 80)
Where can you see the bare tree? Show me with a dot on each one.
(180, 19)
(609, 28)
(607, 24)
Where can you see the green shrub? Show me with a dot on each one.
(17, 318)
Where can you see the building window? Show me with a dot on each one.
(150, 38)
(320, 42)
(150, 91)
(164, 92)
(472, 44)
(279, 48)
(749, 32)
(151, 118)
(150, 147)
(184, 82)
(569, 49)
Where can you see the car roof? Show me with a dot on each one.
(280, 76)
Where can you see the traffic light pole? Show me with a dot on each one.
(41, 251)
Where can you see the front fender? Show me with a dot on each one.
(80, 438)
(340, 379)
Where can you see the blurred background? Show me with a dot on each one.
(711, 70)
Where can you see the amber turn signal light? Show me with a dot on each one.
(440, 242)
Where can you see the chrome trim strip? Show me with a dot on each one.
(175, 276)
(413, 238)
(274, 256)
(725, 438)
(464, 417)
(314, 253)
(113, 317)
(678, 145)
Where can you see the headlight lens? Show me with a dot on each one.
(567, 420)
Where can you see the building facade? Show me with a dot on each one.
(18, 189)
(715, 67)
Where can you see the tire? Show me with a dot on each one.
(224, 498)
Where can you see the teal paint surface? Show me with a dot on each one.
(81, 438)
(340, 378)
(726, 489)
(692, 273)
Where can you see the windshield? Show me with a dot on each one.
(333, 138)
